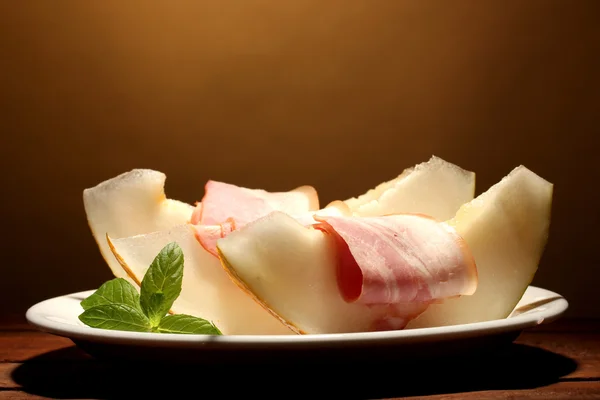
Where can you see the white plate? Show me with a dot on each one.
(59, 316)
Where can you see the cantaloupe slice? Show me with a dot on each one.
(129, 204)
(435, 187)
(506, 229)
(207, 292)
(291, 270)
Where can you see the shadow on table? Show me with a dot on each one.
(71, 373)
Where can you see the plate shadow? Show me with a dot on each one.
(72, 373)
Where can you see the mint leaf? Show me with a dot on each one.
(182, 323)
(154, 306)
(116, 305)
(162, 283)
(115, 291)
(118, 317)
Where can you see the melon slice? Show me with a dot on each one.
(207, 292)
(129, 204)
(435, 187)
(291, 270)
(335, 208)
(506, 229)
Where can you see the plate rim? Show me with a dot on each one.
(414, 335)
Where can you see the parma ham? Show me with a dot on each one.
(208, 235)
(223, 201)
(404, 258)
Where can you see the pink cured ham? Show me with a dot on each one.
(222, 201)
(208, 235)
(399, 259)
(226, 207)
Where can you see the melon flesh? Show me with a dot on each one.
(435, 187)
(207, 292)
(291, 270)
(506, 229)
(129, 204)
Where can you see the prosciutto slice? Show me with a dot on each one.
(222, 201)
(407, 258)
(226, 207)
(208, 235)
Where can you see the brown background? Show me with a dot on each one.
(275, 94)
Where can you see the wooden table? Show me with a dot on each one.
(556, 361)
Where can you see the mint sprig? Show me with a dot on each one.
(116, 305)
(162, 283)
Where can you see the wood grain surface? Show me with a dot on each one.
(557, 361)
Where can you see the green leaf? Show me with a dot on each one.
(162, 283)
(118, 317)
(115, 291)
(182, 323)
(116, 305)
(154, 307)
